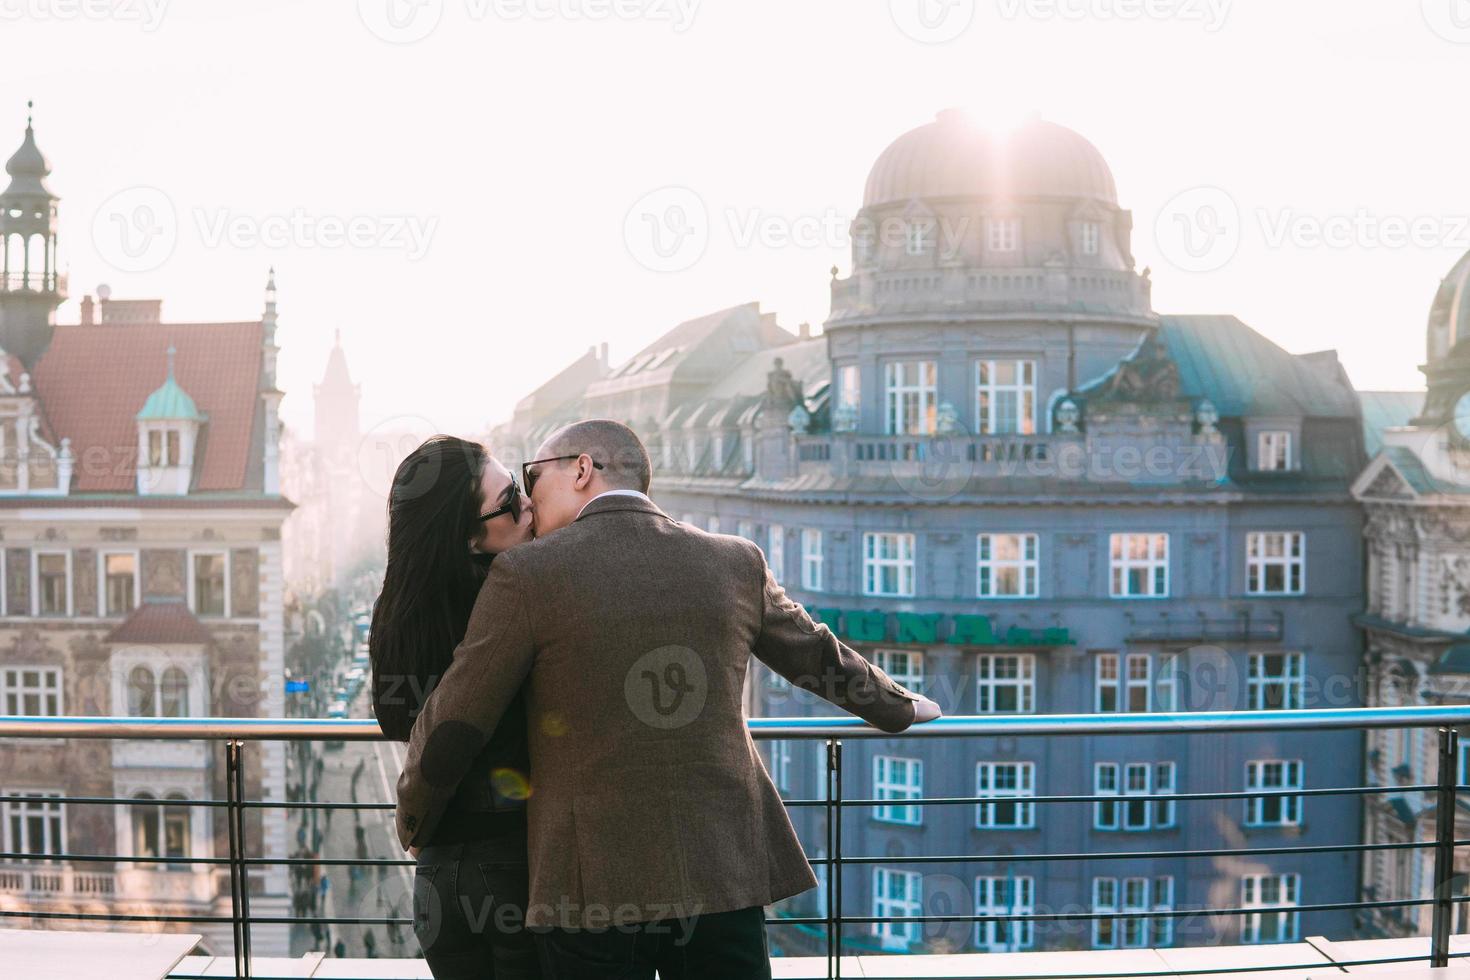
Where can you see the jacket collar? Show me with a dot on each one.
(615, 502)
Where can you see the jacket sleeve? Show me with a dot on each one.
(461, 713)
(808, 655)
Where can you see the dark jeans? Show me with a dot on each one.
(719, 946)
(469, 910)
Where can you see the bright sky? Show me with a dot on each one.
(489, 168)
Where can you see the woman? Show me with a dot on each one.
(451, 509)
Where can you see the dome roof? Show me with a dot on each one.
(953, 157)
(28, 168)
(1449, 315)
(169, 400)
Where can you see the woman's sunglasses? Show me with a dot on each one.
(512, 505)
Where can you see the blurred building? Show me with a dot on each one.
(339, 521)
(1416, 500)
(141, 514)
(1005, 478)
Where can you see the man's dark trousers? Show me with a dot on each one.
(719, 946)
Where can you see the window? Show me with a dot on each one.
(913, 397)
(1089, 237)
(1133, 779)
(1005, 683)
(51, 583)
(1275, 562)
(1270, 892)
(209, 583)
(813, 578)
(1140, 565)
(898, 779)
(1132, 896)
(119, 586)
(746, 530)
(1128, 683)
(849, 387)
(33, 825)
(917, 237)
(897, 894)
(34, 691)
(1002, 234)
(1005, 397)
(888, 564)
(173, 694)
(776, 550)
(780, 753)
(1006, 565)
(1005, 786)
(142, 693)
(1274, 681)
(163, 447)
(1273, 451)
(1005, 896)
(1273, 811)
(160, 831)
(904, 666)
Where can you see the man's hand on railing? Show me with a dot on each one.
(925, 710)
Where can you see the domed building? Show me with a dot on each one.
(1001, 475)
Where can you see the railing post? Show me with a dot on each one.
(239, 874)
(827, 870)
(1444, 847)
(836, 865)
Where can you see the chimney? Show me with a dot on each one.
(804, 331)
(87, 315)
(602, 353)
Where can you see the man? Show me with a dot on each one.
(656, 836)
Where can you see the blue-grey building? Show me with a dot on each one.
(1007, 479)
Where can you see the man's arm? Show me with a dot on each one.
(458, 717)
(807, 654)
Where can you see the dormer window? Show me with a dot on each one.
(168, 429)
(164, 447)
(1002, 234)
(916, 239)
(1089, 235)
(1273, 450)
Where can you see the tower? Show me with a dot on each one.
(337, 400)
(31, 288)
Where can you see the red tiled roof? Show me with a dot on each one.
(160, 622)
(92, 380)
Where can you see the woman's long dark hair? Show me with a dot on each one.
(432, 577)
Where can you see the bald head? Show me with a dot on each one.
(624, 459)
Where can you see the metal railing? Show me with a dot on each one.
(235, 734)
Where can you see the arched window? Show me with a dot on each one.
(176, 831)
(173, 694)
(36, 262)
(15, 259)
(145, 827)
(141, 700)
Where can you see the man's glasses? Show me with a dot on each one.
(528, 476)
(512, 504)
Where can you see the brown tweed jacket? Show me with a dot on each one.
(634, 633)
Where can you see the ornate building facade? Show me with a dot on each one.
(140, 574)
(1007, 479)
(1416, 499)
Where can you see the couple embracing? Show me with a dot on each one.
(581, 791)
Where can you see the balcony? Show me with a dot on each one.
(41, 892)
(34, 282)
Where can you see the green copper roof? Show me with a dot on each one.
(169, 401)
(1386, 410)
